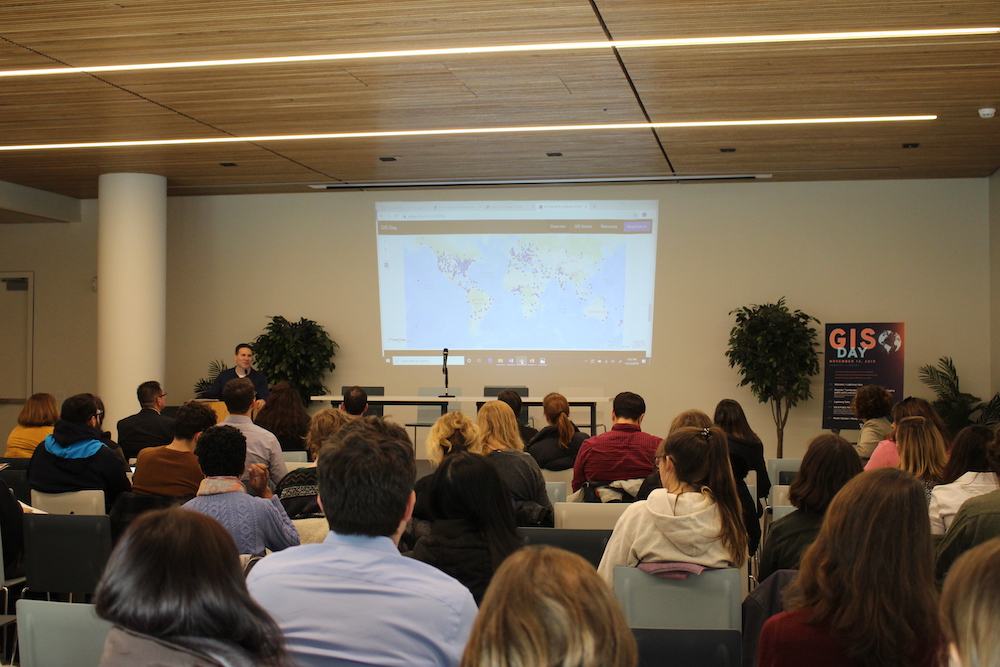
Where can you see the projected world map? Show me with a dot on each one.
(511, 291)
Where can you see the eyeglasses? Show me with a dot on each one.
(99, 415)
(163, 395)
(657, 459)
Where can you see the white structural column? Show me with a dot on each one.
(131, 288)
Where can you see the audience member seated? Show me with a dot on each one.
(12, 530)
(285, 416)
(871, 404)
(694, 518)
(354, 599)
(262, 446)
(298, 489)
(746, 452)
(970, 607)
(503, 447)
(623, 453)
(921, 451)
(865, 594)
(967, 474)
(34, 423)
(146, 428)
(173, 470)
(355, 402)
(73, 458)
(695, 418)
(243, 358)
(513, 399)
(829, 463)
(547, 606)
(106, 435)
(174, 590)
(555, 447)
(977, 521)
(473, 530)
(452, 433)
(887, 453)
(255, 523)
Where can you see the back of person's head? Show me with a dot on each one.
(148, 392)
(355, 401)
(498, 427)
(452, 432)
(912, 406)
(970, 607)
(366, 474)
(38, 410)
(921, 449)
(238, 395)
(871, 402)
(284, 414)
(176, 573)
(829, 463)
(629, 405)
(700, 457)
(222, 452)
(870, 573)
(555, 407)
(729, 416)
(323, 425)
(546, 606)
(467, 486)
(695, 418)
(193, 418)
(79, 409)
(511, 398)
(969, 452)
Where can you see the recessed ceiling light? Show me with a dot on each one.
(911, 145)
(227, 164)
(554, 154)
(516, 48)
(727, 150)
(387, 159)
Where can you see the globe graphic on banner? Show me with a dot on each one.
(890, 341)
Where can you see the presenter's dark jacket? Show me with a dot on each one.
(146, 428)
(544, 447)
(259, 383)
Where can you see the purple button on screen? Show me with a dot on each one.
(640, 226)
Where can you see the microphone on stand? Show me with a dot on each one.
(444, 369)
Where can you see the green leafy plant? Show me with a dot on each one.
(954, 406)
(775, 351)
(298, 352)
(204, 384)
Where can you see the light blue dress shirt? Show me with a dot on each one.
(355, 600)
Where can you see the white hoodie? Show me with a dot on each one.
(667, 527)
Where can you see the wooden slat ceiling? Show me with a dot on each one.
(951, 77)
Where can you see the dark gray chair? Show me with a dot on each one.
(65, 553)
(687, 648)
(589, 544)
(17, 480)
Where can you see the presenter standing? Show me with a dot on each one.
(243, 357)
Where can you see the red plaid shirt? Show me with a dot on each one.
(624, 452)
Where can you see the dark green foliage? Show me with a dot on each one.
(205, 383)
(775, 352)
(299, 352)
(954, 406)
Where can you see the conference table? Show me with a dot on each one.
(442, 402)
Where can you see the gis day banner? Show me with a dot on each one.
(856, 355)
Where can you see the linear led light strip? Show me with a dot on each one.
(567, 46)
(469, 130)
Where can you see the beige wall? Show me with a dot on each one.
(994, 204)
(913, 251)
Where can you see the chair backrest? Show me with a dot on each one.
(706, 601)
(565, 476)
(60, 634)
(297, 456)
(373, 410)
(295, 465)
(589, 544)
(89, 501)
(779, 495)
(522, 418)
(781, 511)
(594, 516)
(774, 469)
(687, 648)
(17, 480)
(556, 491)
(65, 553)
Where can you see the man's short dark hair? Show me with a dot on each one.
(238, 395)
(366, 473)
(222, 451)
(193, 418)
(355, 401)
(79, 408)
(241, 346)
(148, 392)
(511, 398)
(629, 405)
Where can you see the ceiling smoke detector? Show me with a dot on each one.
(987, 112)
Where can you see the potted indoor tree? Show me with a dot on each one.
(298, 352)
